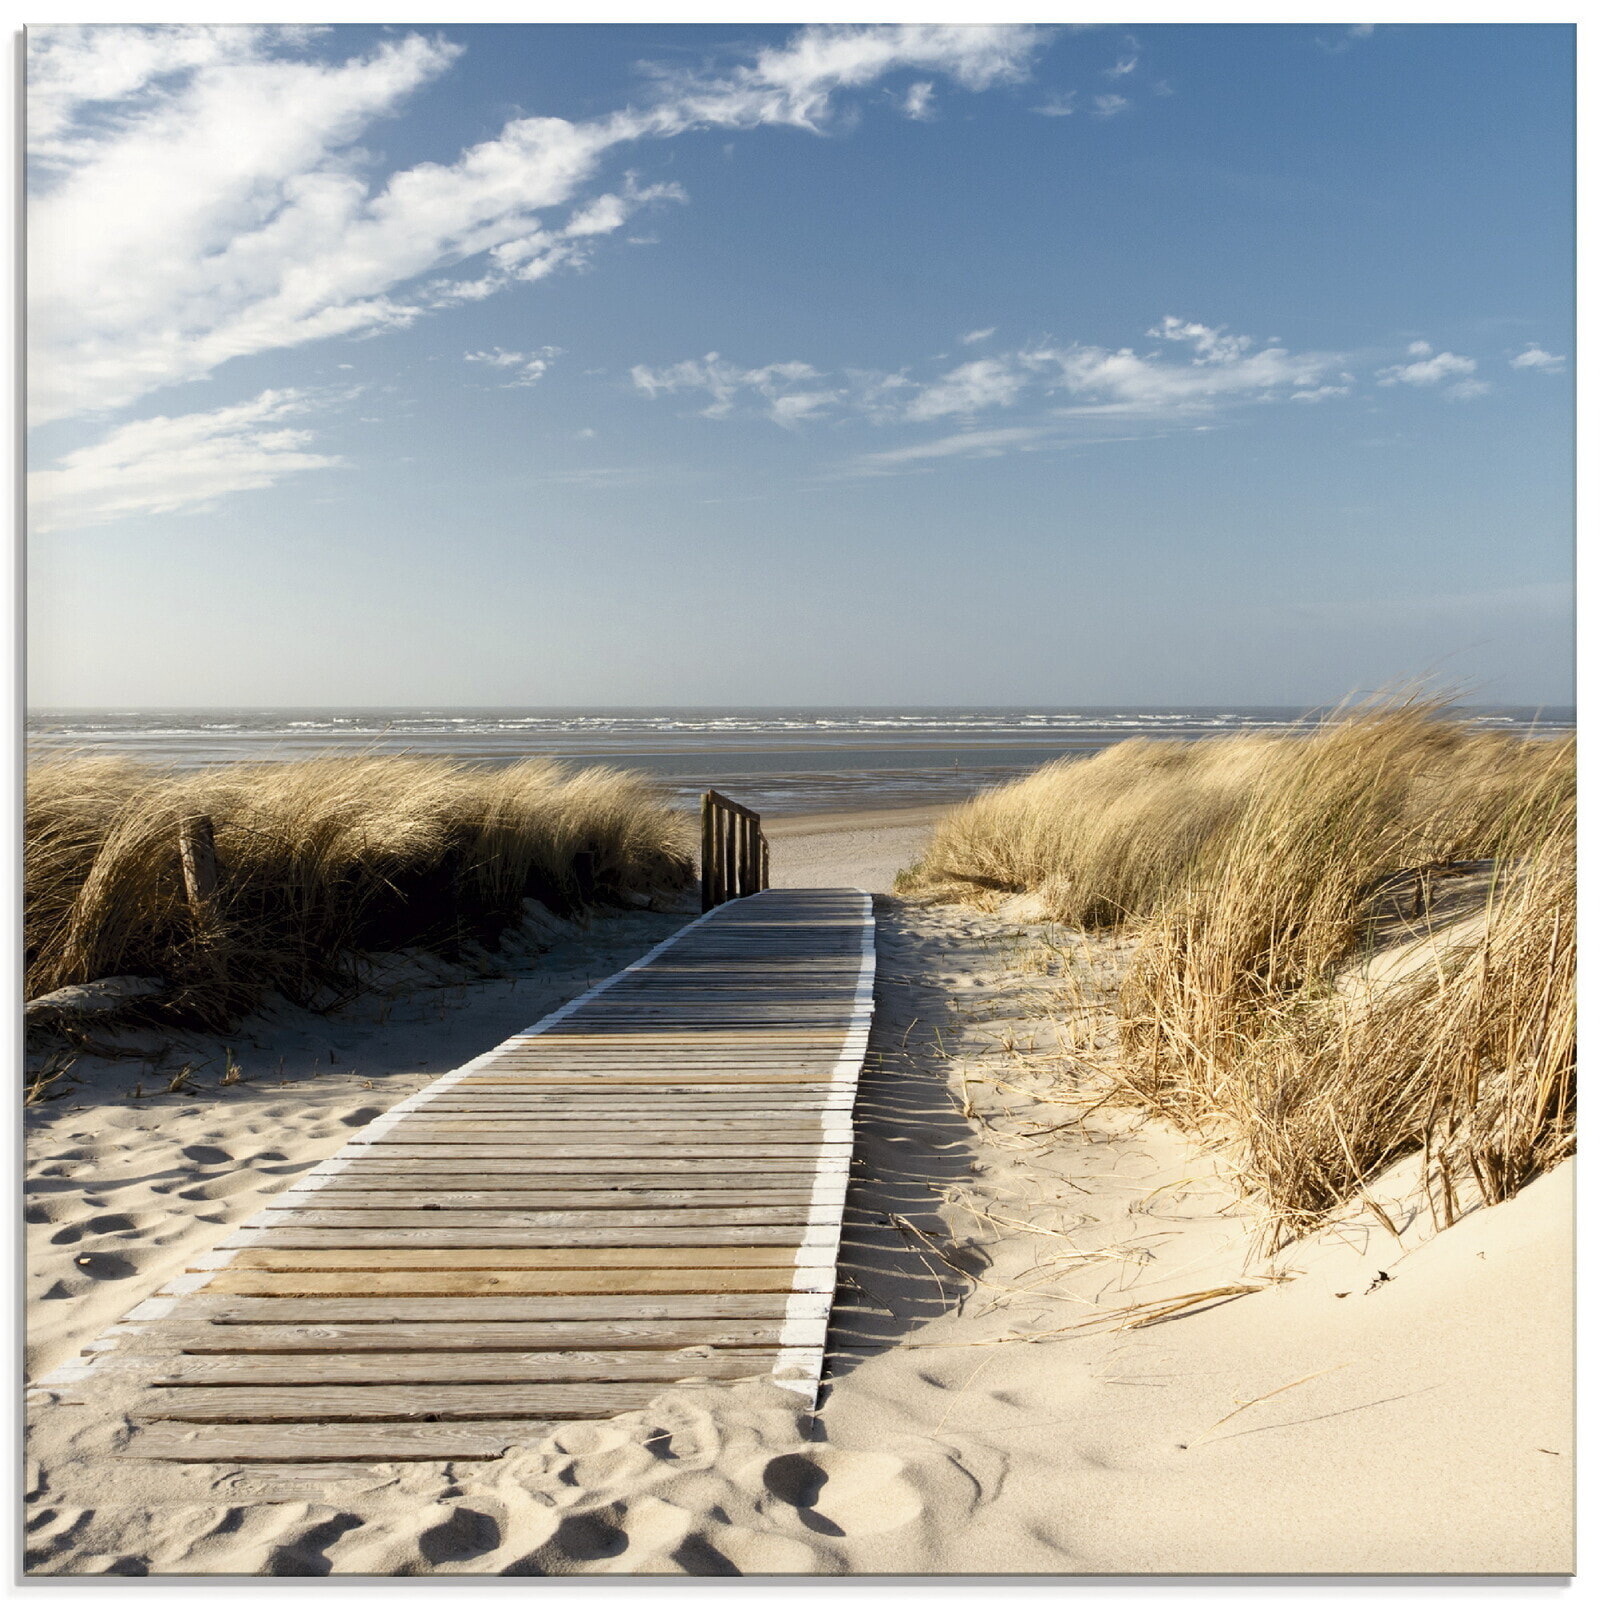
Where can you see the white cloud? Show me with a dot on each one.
(976, 386)
(1352, 35)
(170, 464)
(224, 162)
(1108, 105)
(786, 387)
(977, 336)
(1533, 359)
(1061, 105)
(1122, 66)
(918, 103)
(1434, 369)
(1061, 388)
(1223, 369)
(978, 442)
(530, 365)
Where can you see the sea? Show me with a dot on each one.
(775, 759)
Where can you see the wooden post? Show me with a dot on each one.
(716, 854)
(747, 858)
(584, 871)
(708, 845)
(766, 864)
(197, 850)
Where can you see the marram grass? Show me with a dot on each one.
(1252, 870)
(320, 862)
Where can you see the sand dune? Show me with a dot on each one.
(1371, 1404)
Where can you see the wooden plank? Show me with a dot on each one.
(524, 1128)
(579, 1223)
(640, 1146)
(448, 1160)
(498, 1236)
(459, 1366)
(318, 1442)
(222, 1309)
(345, 1190)
(637, 1185)
(625, 1280)
(442, 1402)
(207, 1338)
(259, 1258)
(489, 1146)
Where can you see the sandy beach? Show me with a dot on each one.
(1058, 1345)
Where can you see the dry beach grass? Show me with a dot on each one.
(1263, 878)
(319, 862)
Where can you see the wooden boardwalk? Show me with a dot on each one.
(644, 1187)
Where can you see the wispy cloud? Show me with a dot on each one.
(168, 464)
(1348, 39)
(977, 442)
(1127, 62)
(973, 387)
(1108, 105)
(786, 389)
(225, 162)
(918, 102)
(526, 366)
(1059, 105)
(977, 336)
(1056, 388)
(1533, 359)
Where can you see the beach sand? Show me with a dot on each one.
(996, 1400)
(848, 849)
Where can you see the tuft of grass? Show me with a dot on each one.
(1254, 873)
(319, 862)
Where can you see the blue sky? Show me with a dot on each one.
(653, 365)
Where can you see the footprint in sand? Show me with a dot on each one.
(635, 1536)
(104, 1265)
(843, 1493)
(461, 1534)
(361, 1116)
(219, 1188)
(205, 1155)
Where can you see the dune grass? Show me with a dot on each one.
(319, 863)
(1252, 870)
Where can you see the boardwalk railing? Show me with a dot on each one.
(733, 851)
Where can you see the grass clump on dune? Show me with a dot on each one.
(1255, 871)
(319, 863)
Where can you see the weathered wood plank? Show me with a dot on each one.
(258, 1258)
(461, 1366)
(189, 1337)
(623, 1280)
(311, 1443)
(701, 1168)
(444, 1402)
(631, 1181)
(365, 1236)
(225, 1310)
(399, 1191)
(577, 1224)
